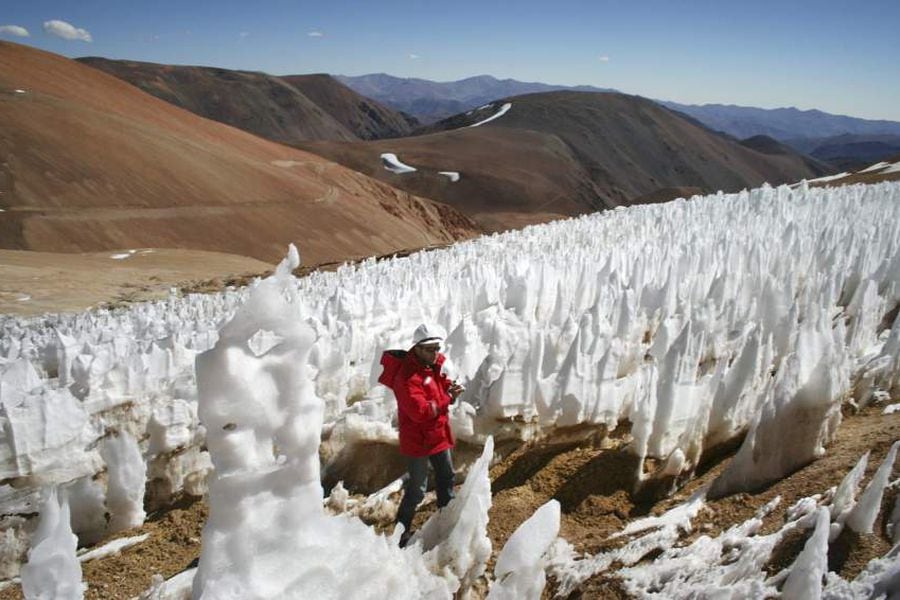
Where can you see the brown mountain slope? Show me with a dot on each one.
(366, 118)
(508, 178)
(566, 153)
(255, 102)
(767, 145)
(288, 109)
(89, 162)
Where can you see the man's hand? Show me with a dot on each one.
(455, 390)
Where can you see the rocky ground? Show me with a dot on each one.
(590, 475)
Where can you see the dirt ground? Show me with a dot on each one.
(32, 283)
(590, 475)
(173, 545)
(590, 484)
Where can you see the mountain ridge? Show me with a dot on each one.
(736, 120)
(91, 163)
(565, 153)
(437, 100)
(285, 109)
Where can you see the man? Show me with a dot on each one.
(424, 395)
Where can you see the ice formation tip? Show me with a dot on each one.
(293, 257)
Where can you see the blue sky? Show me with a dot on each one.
(840, 57)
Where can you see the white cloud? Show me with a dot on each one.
(14, 30)
(413, 57)
(67, 31)
(243, 34)
(603, 58)
(315, 34)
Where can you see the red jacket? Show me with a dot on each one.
(422, 402)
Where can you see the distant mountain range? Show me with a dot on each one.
(297, 108)
(430, 101)
(92, 158)
(781, 123)
(557, 153)
(850, 152)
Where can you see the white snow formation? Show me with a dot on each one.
(176, 588)
(503, 110)
(455, 540)
(125, 489)
(862, 517)
(52, 570)
(268, 535)
(805, 579)
(379, 506)
(112, 548)
(666, 317)
(390, 162)
(521, 565)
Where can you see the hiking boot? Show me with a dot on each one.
(404, 538)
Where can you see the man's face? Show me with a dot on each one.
(427, 353)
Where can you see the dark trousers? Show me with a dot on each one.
(417, 483)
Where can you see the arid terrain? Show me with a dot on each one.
(285, 109)
(33, 283)
(90, 163)
(567, 153)
(556, 154)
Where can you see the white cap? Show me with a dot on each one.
(427, 333)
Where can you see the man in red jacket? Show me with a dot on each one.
(424, 395)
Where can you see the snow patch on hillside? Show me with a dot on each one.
(876, 167)
(286, 164)
(893, 168)
(503, 110)
(391, 163)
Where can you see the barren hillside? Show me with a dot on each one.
(566, 153)
(92, 163)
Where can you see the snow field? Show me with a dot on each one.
(694, 321)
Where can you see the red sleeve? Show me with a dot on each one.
(411, 400)
(445, 400)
